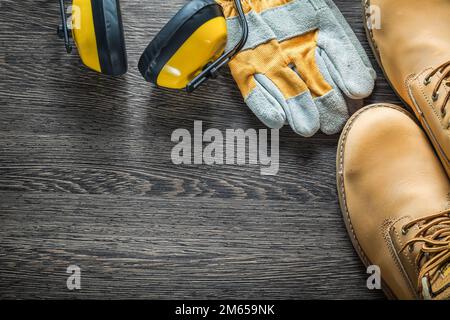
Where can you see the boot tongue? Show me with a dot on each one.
(440, 283)
(430, 235)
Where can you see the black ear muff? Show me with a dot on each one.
(97, 30)
(176, 34)
(110, 36)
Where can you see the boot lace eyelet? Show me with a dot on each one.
(435, 96)
(427, 81)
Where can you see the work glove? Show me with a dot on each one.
(301, 55)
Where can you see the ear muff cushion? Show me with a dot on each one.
(110, 36)
(166, 43)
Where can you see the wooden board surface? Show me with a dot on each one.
(86, 179)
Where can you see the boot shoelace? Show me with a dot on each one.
(434, 234)
(443, 80)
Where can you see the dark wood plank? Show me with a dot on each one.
(86, 178)
(138, 247)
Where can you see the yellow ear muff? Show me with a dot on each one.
(98, 34)
(83, 33)
(194, 37)
(205, 45)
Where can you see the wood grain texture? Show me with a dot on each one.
(86, 178)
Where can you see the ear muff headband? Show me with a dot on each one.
(63, 31)
(211, 70)
(189, 49)
(98, 34)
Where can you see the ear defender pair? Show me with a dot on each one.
(189, 50)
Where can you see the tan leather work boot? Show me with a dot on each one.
(411, 40)
(395, 198)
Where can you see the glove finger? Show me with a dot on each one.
(265, 105)
(298, 105)
(303, 52)
(344, 64)
(332, 106)
(351, 35)
(342, 58)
